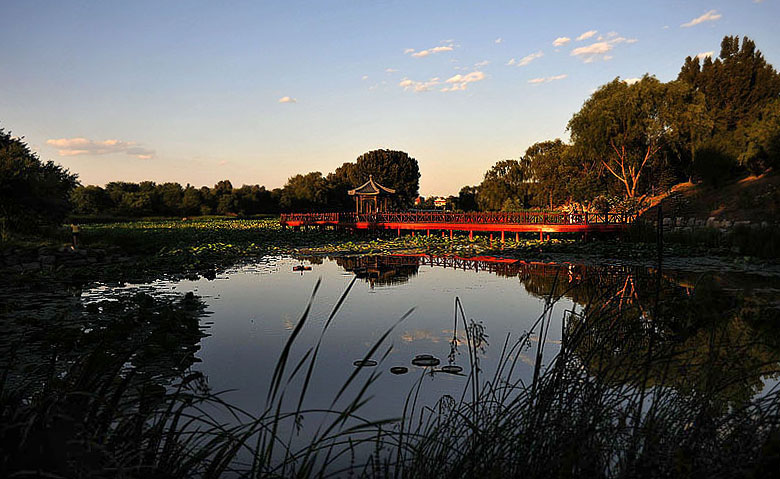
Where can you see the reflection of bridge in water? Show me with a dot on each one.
(399, 268)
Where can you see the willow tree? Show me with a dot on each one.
(630, 129)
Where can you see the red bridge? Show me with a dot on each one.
(524, 222)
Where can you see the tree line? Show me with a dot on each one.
(718, 120)
(302, 192)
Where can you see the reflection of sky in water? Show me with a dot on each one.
(254, 309)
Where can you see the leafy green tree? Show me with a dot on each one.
(394, 169)
(625, 127)
(304, 192)
(467, 199)
(763, 140)
(90, 200)
(191, 201)
(507, 179)
(553, 172)
(33, 194)
(170, 197)
(737, 86)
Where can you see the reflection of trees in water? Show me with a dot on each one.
(381, 270)
(702, 340)
(85, 386)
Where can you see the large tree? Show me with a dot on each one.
(553, 172)
(627, 127)
(506, 180)
(33, 193)
(304, 192)
(394, 169)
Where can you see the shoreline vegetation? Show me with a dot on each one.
(683, 398)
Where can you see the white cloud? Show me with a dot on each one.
(430, 51)
(511, 62)
(528, 58)
(499, 40)
(600, 50)
(460, 82)
(537, 81)
(561, 41)
(419, 86)
(287, 99)
(586, 35)
(703, 55)
(482, 63)
(390, 70)
(710, 16)
(631, 81)
(83, 146)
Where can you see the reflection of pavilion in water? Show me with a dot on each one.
(537, 277)
(380, 270)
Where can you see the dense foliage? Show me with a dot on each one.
(718, 120)
(33, 194)
(302, 192)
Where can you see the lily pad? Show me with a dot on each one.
(451, 369)
(364, 363)
(399, 370)
(425, 360)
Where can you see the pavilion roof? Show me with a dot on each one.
(371, 188)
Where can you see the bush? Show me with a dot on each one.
(34, 195)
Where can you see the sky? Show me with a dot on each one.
(256, 92)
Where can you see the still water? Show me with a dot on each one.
(253, 310)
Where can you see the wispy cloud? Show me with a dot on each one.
(499, 40)
(703, 55)
(600, 49)
(482, 63)
(539, 80)
(419, 86)
(430, 51)
(390, 70)
(526, 59)
(287, 99)
(83, 146)
(460, 82)
(586, 35)
(710, 16)
(561, 41)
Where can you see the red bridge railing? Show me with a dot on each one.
(522, 218)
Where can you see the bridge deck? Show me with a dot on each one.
(543, 222)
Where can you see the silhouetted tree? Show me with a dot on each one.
(33, 193)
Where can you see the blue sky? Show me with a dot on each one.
(256, 92)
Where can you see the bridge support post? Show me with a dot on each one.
(541, 235)
(471, 236)
(450, 234)
(517, 237)
(502, 237)
(491, 238)
(442, 233)
(399, 231)
(427, 232)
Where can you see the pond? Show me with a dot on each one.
(425, 334)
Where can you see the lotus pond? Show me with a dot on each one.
(387, 341)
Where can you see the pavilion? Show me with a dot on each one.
(371, 197)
